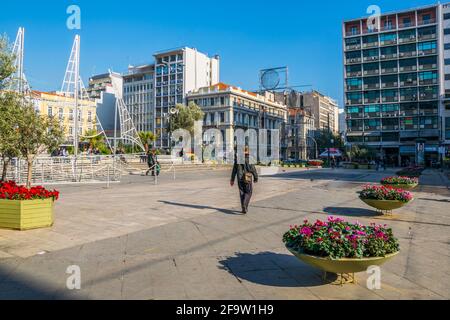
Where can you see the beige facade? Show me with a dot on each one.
(324, 109)
(299, 135)
(63, 108)
(228, 108)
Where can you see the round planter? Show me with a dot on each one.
(402, 186)
(341, 266)
(385, 205)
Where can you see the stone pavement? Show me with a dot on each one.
(184, 239)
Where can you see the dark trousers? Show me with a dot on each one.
(245, 191)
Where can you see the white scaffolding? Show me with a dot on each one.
(19, 81)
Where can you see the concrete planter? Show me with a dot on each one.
(385, 205)
(26, 214)
(341, 266)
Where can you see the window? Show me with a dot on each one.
(50, 111)
(407, 22)
(446, 16)
(447, 62)
(388, 37)
(389, 107)
(372, 109)
(447, 31)
(427, 45)
(447, 46)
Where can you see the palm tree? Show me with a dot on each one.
(147, 137)
(95, 139)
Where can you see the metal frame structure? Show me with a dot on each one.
(19, 81)
(128, 131)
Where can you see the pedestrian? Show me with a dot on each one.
(333, 162)
(152, 161)
(246, 174)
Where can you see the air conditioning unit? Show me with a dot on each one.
(421, 53)
(383, 56)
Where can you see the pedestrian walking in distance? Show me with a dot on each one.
(246, 174)
(151, 162)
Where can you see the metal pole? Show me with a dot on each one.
(77, 77)
(329, 135)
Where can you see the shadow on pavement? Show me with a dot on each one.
(197, 206)
(351, 212)
(355, 176)
(273, 269)
(23, 287)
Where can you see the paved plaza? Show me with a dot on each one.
(186, 239)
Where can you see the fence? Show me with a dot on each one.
(64, 170)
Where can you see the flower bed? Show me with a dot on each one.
(413, 172)
(315, 163)
(371, 192)
(337, 239)
(22, 208)
(11, 191)
(400, 180)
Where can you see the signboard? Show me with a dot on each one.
(420, 153)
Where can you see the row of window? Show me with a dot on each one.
(395, 107)
(393, 95)
(375, 39)
(393, 80)
(138, 88)
(405, 123)
(61, 115)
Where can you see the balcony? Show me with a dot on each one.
(408, 97)
(428, 96)
(352, 102)
(371, 72)
(352, 33)
(428, 112)
(407, 54)
(370, 45)
(426, 22)
(352, 47)
(427, 36)
(353, 60)
(372, 128)
(427, 52)
(372, 100)
(391, 127)
(353, 88)
(372, 86)
(427, 66)
(411, 38)
(406, 25)
(389, 114)
(428, 81)
(388, 42)
(354, 74)
(390, 99)
(409, 113)
(371, 59)
(389, 70)
(408, 68)
(389, 84)
(408, 83)
(388, 56)
(355, 115)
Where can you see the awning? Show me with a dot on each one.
(333, 153)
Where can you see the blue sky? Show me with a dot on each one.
(248, 35)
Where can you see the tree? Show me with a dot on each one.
(9, 135)
(324, 137)
(147, 139)
(7, 67)
(37, 134)
(8, 112)
(361, 153)
(96, 140)
(186, 117)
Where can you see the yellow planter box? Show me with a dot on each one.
(26, 214)
(401, 186)
(385, 205)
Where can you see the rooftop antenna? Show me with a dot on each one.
(19, 82)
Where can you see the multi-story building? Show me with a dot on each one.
(325, 110)
(138, 96)
(299, 135)
(63, 108)
(228, 108)
(396, 72)
(97, 85)
(177, 72)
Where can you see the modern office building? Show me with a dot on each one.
(177, 72)
(228, 108)
(396, 86)
(138, 95)
(63, 108)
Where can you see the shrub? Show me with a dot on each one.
(338, 239)
(315, 163)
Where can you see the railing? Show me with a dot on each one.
(67, 170)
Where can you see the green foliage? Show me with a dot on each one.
(186, 117)
(361, 154)
(96, 141)
(147, 138)
(338, 239)
(6, 62)
(323, 138)
(37, 133)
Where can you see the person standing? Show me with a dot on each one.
(246, 174)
